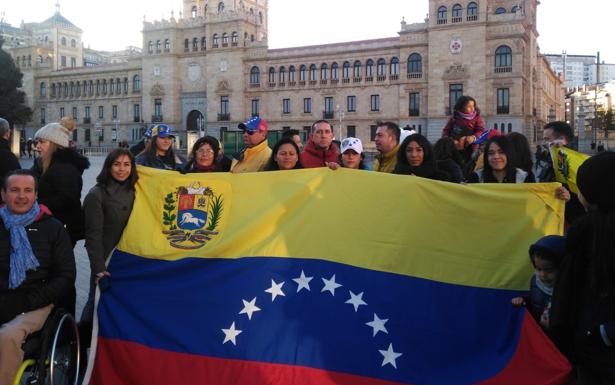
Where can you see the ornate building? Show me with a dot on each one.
(211, 68)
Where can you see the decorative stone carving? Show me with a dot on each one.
(455, 71)
(223, 87)
(157, 90)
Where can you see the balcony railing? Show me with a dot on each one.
(499, 70)
(255, 85)
(335, 81)
(157, 119)
(394, 77)
(224, 117)
(457, 19)
(381, 78)
(136, 119)
(369, 79)
(327, 114)
(503, 109)
(441, 21)
(346, 80)
(415, 75)
(414, 112)
(472, 18)
(87, 120)
(356, 80)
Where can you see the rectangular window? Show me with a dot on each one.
(351, 103)
(87, 112)
(101, 112)
(136, 112)
(61, 112)
(88, 137)
(114, 134)
(455, 91)
(43, 116)
(75, 136)
(75, 113)
(63, 61)
(415, 104)
(101, 135)
(114, 111)
(255, 107)
(307, 105)
(375, 103)
(73, 62)
(224, 105)
(286, 106)
(351, 131)
(372, 132)
(329, 105)
(503, 101)
(158, 107)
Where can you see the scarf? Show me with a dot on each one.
(541, 285)
(467, 116)
(22, 257)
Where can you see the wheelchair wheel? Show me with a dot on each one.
(64, 356)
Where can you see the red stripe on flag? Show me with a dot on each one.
(121, 362)
(536, 360)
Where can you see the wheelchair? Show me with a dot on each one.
(53, 354)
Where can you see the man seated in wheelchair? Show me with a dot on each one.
(37, 268)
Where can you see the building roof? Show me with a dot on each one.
(58, 20)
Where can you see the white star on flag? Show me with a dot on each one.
(390, 356)
(356, 300)
(330, 285)
(230, 334)
(275, 290)
(303, 282)
(378, 325)
(249, 308)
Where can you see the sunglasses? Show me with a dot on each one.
(250, 132)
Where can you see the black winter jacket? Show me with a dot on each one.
(8, 160)
(52, 282)
(60, 189)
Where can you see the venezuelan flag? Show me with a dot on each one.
(325, 277)
(566, 162)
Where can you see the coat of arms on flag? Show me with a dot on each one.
(191, 215)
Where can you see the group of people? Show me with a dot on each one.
(42, 218)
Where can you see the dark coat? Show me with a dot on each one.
(60, 189)
(8, 160)
(106, 213)
(52, 282)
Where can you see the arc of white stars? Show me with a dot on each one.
(378, 325)
(249, 308)
(231, 334)
(356, 300)
(330, 285)
(303, 282)
(275, 290)
(390, 356)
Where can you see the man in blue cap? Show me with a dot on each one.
(256, 152)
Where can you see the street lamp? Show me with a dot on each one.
(340, 114)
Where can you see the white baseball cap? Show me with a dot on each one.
(352, 144)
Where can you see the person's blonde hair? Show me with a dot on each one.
(46, 160)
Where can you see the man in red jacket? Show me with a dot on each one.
(320, 148)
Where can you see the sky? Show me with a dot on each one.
(563, 25)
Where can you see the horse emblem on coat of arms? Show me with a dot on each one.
(191, 216)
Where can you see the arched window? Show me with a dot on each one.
(255, 75)
(73, 43)
(381, 69)
(72, 89)
(313, 71)
(394, 70)
(369, 68)
(334, 71)
(65, 89)
(186, 44)
(193, 11)
(415, 64)
(302, 71)
(503, 59)
(271, 75)
(167, 45)
(136, 83)
(104, 86)
(220, 7)
(91, 87)
(500, 11)
(150, 47)
(53, 90)
(356, 69)
(324, 71)
(472, 11)
(216, 40)
(78, 89)
(346, 70)
(225, 39)
(457, 13)
(98, 87)
(112, 86)
(291, 73)
(63, 41)
(234, 38)
(158, 45)
(203, 43)
(195, 44)
(442, 15)
(43, 90)
(282, 74)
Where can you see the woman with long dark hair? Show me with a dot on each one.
(107, 207)
(284, 156)
(583, 310)
(158, 152)
(415, 157)
(497, 168)
(521, 154)
(204, 156)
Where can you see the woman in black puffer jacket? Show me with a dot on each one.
(60, 169)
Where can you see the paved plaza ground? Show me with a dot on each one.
(81, 256)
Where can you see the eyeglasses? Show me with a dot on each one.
(249, 132)
(204, 151)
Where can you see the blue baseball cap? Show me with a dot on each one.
(160, 130)
(254, 124)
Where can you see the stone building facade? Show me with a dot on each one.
(211, 68)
